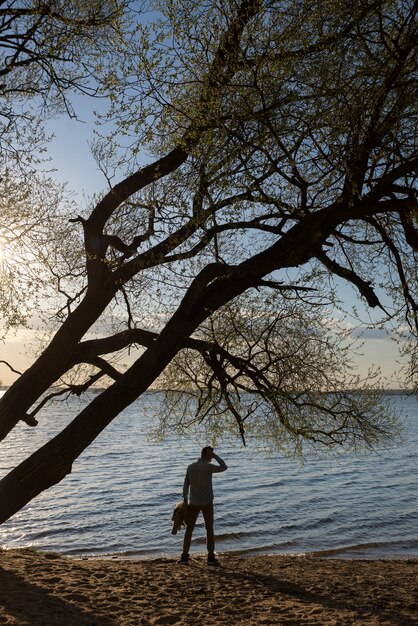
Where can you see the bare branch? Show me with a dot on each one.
(11, 367)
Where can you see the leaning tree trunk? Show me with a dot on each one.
(56, 359)
(53, 461)
(216, 285)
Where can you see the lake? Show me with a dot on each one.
(120, 496)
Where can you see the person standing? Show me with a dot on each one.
(199, 481)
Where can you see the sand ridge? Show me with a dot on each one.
(47, 589)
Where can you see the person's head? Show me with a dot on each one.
(207, 453)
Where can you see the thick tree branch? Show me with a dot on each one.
(89, 350)
(408, 296)
(363, 286)
(77, 390)
(105, 368)
(411, 233)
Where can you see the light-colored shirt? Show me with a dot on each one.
(199, 479)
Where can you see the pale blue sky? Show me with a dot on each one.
(70, 152)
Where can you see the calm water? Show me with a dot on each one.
(120, 496)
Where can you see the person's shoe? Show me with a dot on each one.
(212, 560)
(184, 559)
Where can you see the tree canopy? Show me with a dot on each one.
(49, 52)
(265, 151)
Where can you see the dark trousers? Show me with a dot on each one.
(192, 515)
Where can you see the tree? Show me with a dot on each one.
(49, 52)
(282, 156)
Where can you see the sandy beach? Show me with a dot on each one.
(47, 589)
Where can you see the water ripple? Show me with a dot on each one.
(120, 496)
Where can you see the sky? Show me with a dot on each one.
(71, 157)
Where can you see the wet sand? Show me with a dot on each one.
(47, 589)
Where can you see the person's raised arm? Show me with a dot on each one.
(222, 465)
